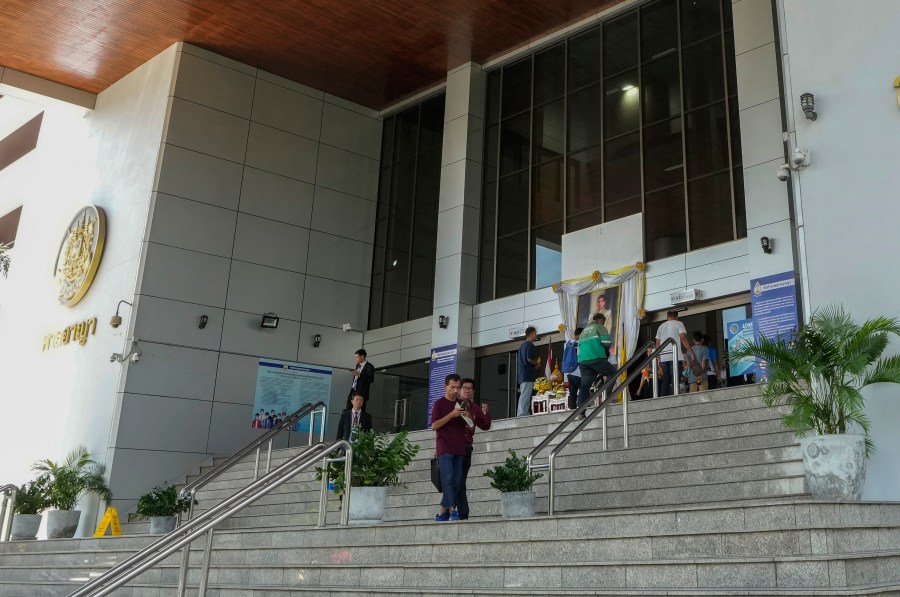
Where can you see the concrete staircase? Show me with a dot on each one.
(709, 500)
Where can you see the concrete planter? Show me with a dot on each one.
(25, 527)
(835, 466)
(162, 525)
(367, 504)
(517, 504)
(62, 524)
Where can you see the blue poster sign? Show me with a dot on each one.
(442, 364)
(740, 332)
(773, 300)
(282, 387)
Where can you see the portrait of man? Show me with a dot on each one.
(603, 300)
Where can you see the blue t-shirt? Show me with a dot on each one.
(526, 369)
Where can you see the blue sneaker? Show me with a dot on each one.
(443, 517)
(454, 516)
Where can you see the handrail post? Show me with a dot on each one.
(323, 493)
(348, 477)
(269, 457)
(256, 464)
(655, 369)
(552, 483)
(312, 424)
(7, 511)
(207, 557)
(603, 418)
(676, 370)
(625, 414)
(322, 425)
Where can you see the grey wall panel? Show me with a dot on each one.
(276, 197)
(332, 303)
(175, 371)
(163, 423)
(174, 322)
(267, 242)
(156, 466)
(207, 130)
(191, 225)
(201, 177)
(242, 334)
(214, 85)
(351, 131)
(347, 172)
(344, 215)
(339, 258)
(230, 426)
(276, 106)
(258, 289)
(336, 349)
(185, 275)
(283, 153)
(236, 378)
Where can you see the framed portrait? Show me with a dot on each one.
(604, 300)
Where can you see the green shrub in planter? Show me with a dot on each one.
(378, 460)
(162, 501)
(512, 475)
(32, 497)
(77, 475)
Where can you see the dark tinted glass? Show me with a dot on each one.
(491, 152)
(704, 81)
(699, 20)
(584, 110)
(428, 179)
(403, 184)
(549, 132)
(664, 226)
(661, 91)
(659, 30)
(709, 210)
(546, 255)
(663, 164)
(546, 193)
(513, 204)
(431, 124)
(492, 100)
(549, 74)
(512, 264)
(706, 141)
(584, 220)
(387, 142)
(584, 62)
(620, 209)
(584, 181)
(620, 104)
(393, 308)
(514, 143)
(740, 209)
(735, 115)
(620, 42)
(622, 158)
(407, 133)
(516, 88)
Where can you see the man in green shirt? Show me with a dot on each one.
(593, 355)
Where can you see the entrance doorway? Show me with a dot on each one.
(398, 398)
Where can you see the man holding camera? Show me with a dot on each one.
(478, 416)
(448, 421)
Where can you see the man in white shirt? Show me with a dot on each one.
(674, 329)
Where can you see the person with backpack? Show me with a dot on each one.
(593, 356)
(571, 369)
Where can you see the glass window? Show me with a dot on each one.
(549, 134)
(620, 44)
(584, 117)
(623, 167)
(512, 264)
(661, 89)
(584, 182)
(664, 223)
(546, 254)
(699, 20)
(514, 143)
(512, 215)
(704, 80)
(706, 140)
(492, 105)
(584, 64)
(546, 187)
(549, 74)
(659, 30)
(516, 88)
(620, 104)
(709, 210)
(663, 164)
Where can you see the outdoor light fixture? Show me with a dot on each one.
(766, 244)
(443, 320)
(203, 321)
(808, 103)
(115, 321)
(269, 320)
(317, 339)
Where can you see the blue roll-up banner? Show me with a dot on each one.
(740, 332)
(442, 364)
(773, 300)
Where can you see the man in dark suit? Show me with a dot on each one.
(354, 419)
(363, 376)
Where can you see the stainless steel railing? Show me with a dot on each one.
(637, 361)
(7, 508)
(183, 536)
(190, 490)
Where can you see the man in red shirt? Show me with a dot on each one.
(478, 416)
(450, 446)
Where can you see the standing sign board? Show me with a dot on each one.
(740, 332)
(773, 300)
(442, 364)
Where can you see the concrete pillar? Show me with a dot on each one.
(456, 269)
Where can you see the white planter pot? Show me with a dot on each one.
(25, 527)
(162, 525)
(517, 504)
(62, 524)
(835, 466)
(367, 504)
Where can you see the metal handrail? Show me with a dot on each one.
(7, 507)
(183, 536)
(639, 358)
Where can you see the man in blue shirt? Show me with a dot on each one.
(527, 362)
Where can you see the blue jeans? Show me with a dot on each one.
(451, 467)
(590, 371)
(462, 500)
(524, 406)
(668, 379)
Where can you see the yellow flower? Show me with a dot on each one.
(561, 327)
(595, 276)
(640, 265)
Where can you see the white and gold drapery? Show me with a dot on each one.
(632, 282)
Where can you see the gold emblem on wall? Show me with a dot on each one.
(79, 254)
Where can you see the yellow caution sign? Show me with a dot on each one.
(110, 521)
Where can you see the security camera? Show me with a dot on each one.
(114, 357)
(783, 173)
(800, 158)
(115, 321)
(136, 357)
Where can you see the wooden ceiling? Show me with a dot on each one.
(373, 52)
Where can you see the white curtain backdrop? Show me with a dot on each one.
(632, 283)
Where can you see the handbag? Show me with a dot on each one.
(436, 475)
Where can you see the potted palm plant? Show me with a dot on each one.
(162, 507)
(31, 500)
(78, 475)
(819, 375)
(514, 481)
(378, 460)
